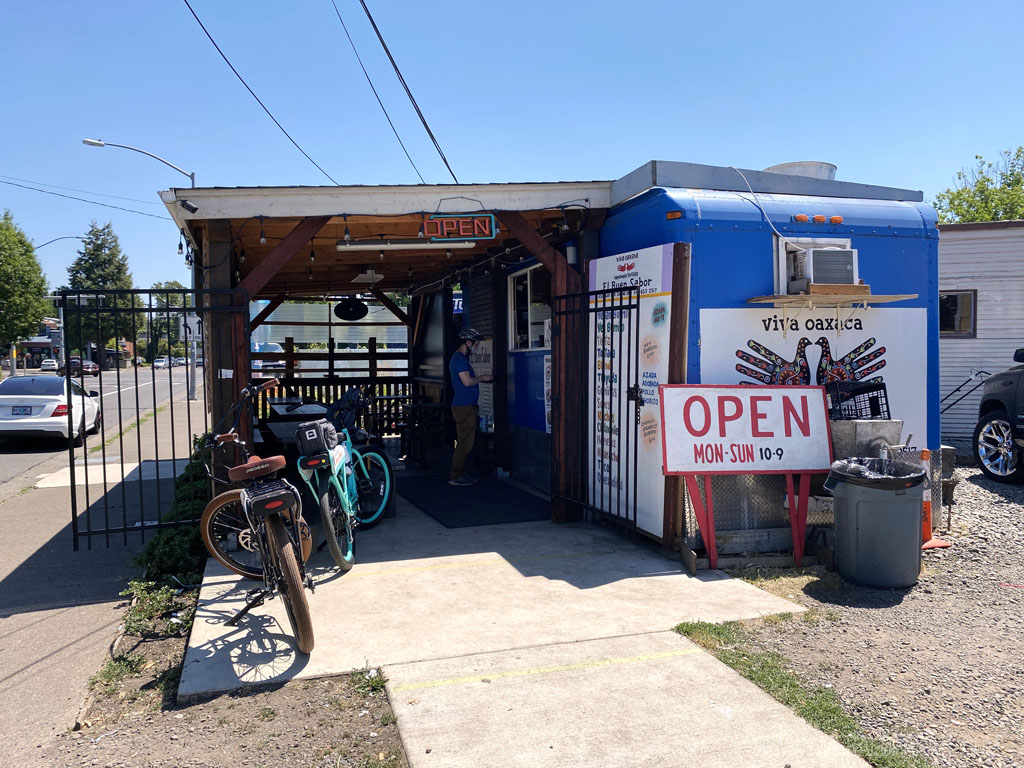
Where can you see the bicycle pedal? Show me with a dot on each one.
(251, 595)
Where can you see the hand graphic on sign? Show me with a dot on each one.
(772, 369)
(854, 366)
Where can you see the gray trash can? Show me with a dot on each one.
(878, 520)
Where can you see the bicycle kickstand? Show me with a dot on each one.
(255, 597)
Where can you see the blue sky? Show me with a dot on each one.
(897, 93)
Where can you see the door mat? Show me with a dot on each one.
(487, 502)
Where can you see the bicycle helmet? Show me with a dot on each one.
(470, 334)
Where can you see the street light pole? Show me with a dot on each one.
(98, 143)
(192, 178)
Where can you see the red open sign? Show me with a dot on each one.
(713, 430)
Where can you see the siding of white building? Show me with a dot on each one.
(987, 258)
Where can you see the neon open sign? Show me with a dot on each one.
(457, 226)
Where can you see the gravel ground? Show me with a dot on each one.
(937, 669)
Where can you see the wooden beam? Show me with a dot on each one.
(267, 311)
(303, 232)
(396, 310)
(531, 239)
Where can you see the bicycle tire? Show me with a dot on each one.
(226, 533)
(337, 527)
(292, 592)
(371, 505)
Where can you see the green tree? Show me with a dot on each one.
(164, 326)
(22, 285)
(987, 192)
(100, 266)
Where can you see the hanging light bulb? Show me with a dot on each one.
(382, 255)
(448, 253)
(410, 270)
(241, 257)
(312, 255)
(421, 232)
(310, 272)
(181, 244)
(263, 235)
(347, 235)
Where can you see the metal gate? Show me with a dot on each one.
(142, 388)
(596, 401)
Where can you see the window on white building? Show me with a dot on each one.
(958, 313)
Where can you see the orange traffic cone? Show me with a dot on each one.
(928, 541)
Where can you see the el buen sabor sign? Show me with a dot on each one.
(726, 430)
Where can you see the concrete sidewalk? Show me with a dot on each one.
(532, 644)
(59, 609)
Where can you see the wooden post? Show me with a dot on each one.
(672, 523)
(372, 345)
(289, 357)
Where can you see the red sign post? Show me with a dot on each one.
(728, 430)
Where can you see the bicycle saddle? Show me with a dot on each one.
(256, 467)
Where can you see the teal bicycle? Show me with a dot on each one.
(352, 482)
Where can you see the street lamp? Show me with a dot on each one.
(98, 143)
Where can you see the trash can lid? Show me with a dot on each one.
(880, 474)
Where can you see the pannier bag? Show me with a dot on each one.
(279, 497)
(316, 437)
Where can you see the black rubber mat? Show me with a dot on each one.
(487, 502)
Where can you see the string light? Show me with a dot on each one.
(241, 256)
(448, 253)
(181, 244)
(347, 235)
(263, 235)
(421, 232)
(382, 255)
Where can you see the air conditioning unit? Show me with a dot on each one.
(836, 266)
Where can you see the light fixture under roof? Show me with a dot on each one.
(368, 276)
(400, 245)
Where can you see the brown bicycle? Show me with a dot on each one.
(257, 530)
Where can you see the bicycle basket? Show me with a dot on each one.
(316, 437)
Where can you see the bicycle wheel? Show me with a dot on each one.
(291, 588)
(337, 527)
(376, 487)
(228, 537)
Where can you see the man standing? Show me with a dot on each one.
(466, 385)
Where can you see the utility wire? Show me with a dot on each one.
(250, 90)
(82, 199)
(85, 191)
(367, 74)
(407, 91)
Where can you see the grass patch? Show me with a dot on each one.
(369, 681)
(150, 604)
(776, 619)
(116, 669)
(266, 713)
(820, 707)
(388, 718)
(789, 582)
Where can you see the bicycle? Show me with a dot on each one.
(254, 531)
(327, 467)
(371, 468)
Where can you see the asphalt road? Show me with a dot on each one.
(138, 395)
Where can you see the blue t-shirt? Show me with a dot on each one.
(463, 395)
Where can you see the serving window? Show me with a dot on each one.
(530, 305)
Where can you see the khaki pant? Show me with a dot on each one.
(465, 434)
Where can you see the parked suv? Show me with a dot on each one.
(999, 436)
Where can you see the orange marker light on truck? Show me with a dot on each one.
(674, 215)
(803, 218)
(836, 220)
(819, 219)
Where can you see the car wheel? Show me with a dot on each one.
(79, 440)
(98, 423)
(998, 456)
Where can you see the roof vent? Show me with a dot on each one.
(811, 168)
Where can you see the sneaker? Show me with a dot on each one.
(460, 481)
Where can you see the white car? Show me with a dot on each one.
(49, 364)
(33, 406)
(161, 362)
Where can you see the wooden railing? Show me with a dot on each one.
(387, 394)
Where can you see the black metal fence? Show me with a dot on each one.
(597, 345)
(140, 357)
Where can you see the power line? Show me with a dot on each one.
(92, 202)
(407, 91)
(372, 88)
(253, 93)
(84, 191)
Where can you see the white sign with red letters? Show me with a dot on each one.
(714, 430)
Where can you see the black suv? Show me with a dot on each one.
(999, 436)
